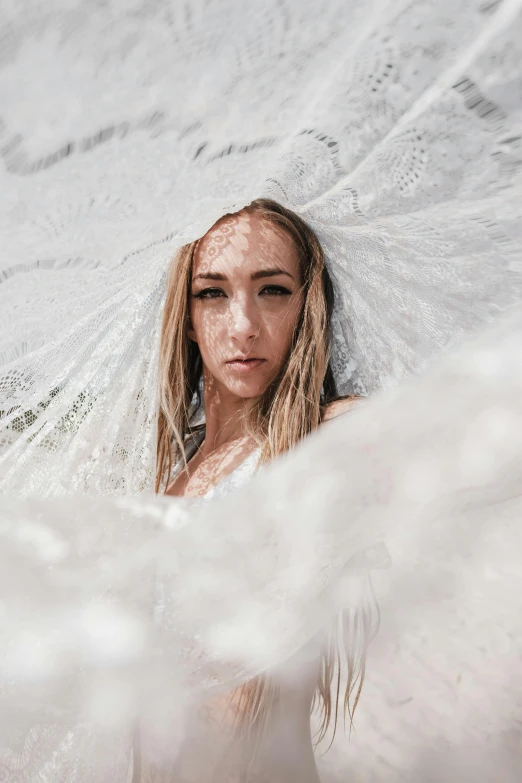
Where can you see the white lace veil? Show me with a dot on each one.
(394, 129)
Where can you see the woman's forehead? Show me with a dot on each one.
(243, 238)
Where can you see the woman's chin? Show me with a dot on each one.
(247, 389)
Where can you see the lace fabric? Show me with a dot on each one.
(126, 131)
(236, 478)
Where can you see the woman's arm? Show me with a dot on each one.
(338, 407)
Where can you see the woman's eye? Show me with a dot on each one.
(275, 290)
(209, 293)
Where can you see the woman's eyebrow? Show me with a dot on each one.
(270, 273)
(255, 276)
(209, 276)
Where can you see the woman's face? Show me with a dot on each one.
(245, 301)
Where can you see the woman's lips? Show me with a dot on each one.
(245, 365)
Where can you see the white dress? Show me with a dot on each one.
(285, 754)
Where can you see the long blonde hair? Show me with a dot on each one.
(290, 409)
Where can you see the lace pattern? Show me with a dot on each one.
(394, 129)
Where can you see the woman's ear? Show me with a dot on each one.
(191, 334)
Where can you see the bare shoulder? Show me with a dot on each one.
(338, 407)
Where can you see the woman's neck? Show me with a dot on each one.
(224, 416)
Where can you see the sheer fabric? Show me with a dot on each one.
(230, 482)
(126, 131)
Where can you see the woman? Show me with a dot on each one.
(247, 324)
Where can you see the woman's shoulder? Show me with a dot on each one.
(342, 405)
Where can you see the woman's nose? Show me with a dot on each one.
(244, 321)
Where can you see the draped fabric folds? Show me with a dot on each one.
(394, 129)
